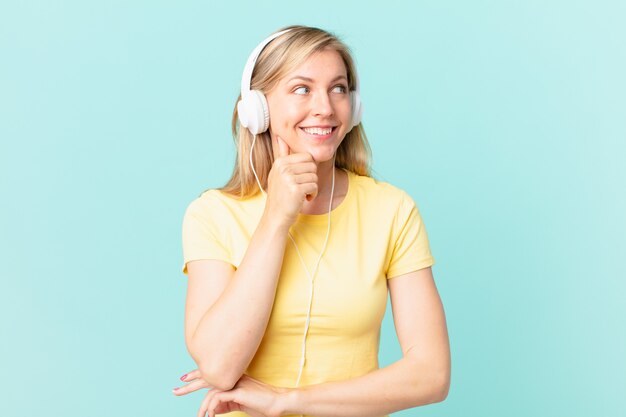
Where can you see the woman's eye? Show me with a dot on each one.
(340, 89)
(301, 90)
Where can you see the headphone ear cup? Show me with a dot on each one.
(254, 112)
(357, 109)
(264, 111)
(242, 112)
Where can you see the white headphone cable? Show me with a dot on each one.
(311, 276)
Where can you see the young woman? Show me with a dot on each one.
(290, 263)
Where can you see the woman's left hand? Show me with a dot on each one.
(248, 395)
(195, 382)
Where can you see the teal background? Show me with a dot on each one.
(504, 120)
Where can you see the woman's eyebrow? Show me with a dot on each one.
(310, 80)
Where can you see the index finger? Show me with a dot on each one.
(194, 385)
(283, 148)
(190, 376)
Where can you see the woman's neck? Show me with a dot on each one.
(325, 177)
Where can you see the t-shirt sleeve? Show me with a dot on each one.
(202, 238)
(411, 250)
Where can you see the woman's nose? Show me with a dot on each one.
(322, 106)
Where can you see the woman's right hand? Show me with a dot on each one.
(292, 180)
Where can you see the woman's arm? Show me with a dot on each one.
(421, 377)
(227, 311)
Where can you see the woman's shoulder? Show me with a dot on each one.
(215, 203)
(378, 190)
(217, 196)
(207, 199)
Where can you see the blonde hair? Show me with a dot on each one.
(277, 59)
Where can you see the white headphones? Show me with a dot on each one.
(253, 110)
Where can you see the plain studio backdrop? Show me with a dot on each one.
(504, 120)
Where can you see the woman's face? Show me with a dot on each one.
(310, 107)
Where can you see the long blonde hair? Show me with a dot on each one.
(278, 58)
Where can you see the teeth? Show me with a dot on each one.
(317, 130)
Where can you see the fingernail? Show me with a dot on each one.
(175, 389)
(182, 378)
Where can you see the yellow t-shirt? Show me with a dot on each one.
(376, 234)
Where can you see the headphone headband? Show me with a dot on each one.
(246, 78)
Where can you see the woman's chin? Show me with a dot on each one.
(321, 153)
(321, 156)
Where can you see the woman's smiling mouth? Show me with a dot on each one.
(319, 132)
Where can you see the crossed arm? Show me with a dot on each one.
(421, 377)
